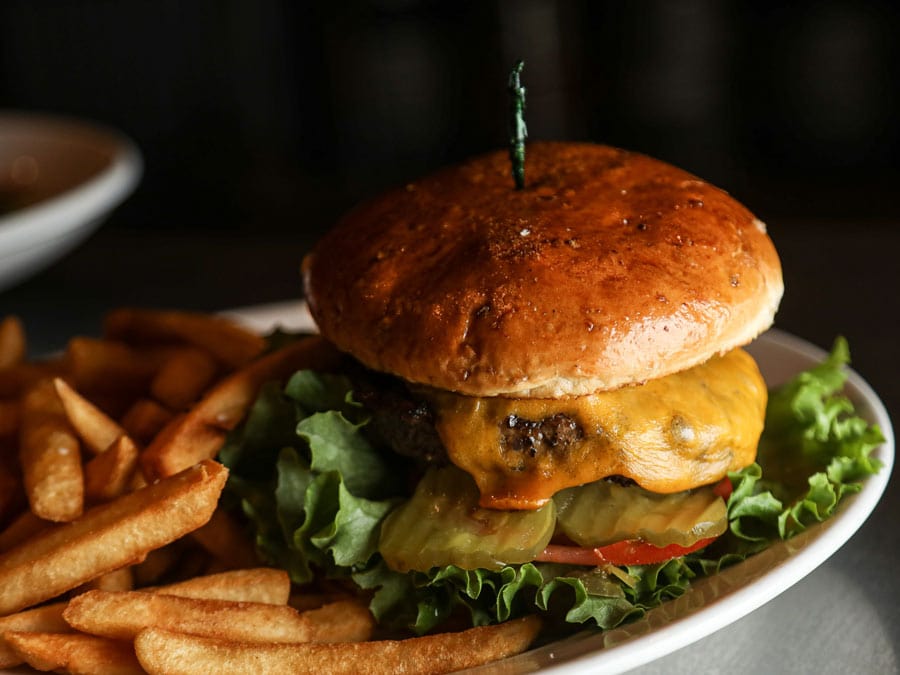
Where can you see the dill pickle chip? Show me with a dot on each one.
(603, 512)
(442, 524)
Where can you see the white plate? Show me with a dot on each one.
(710, 603)
(60, 178)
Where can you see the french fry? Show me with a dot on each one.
(341, 621)
(144, 419)
(13, 344)
(75, 653)
(108, 475)
(108, 536)
(95, 428)
(14, 381)
(226, 540)
(260, 584)
(122, 616)
(137, 480)
(25, 525)
(121, 579)
(229, 342)
(183, 441)
(183, 378)
(257, 585)
(50, 456)
(45, 619)
(199, 434)
(160, 651)
(100, 397)
(96, 365)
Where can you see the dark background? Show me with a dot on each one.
(277, 115)
(262, 121)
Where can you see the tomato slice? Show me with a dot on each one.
(724, 488)
(628, 552)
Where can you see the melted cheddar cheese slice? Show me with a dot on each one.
(668, 435)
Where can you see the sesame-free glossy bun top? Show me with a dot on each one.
(610, 268)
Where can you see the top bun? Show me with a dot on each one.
(610, 268)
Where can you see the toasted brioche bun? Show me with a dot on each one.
(610, 268)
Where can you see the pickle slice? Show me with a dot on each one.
(603, 512)
(442, 524)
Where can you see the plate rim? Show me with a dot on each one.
(818, 543)
(661, 641)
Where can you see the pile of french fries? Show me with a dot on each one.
(114, 554)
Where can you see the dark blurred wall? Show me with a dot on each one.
(273, 115)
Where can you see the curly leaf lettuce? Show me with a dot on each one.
(815, 450)
(313, 487)
(316, 491)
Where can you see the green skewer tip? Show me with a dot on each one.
(518, 132)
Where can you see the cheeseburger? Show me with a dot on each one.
(561, 363)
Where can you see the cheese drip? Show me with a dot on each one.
(668, 435)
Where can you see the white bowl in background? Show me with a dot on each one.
(59, 179)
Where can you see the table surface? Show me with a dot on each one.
(840, 278)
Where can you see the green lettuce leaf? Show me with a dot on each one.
(316, 490)
(336, 444)
(815, 450)
(422, 601)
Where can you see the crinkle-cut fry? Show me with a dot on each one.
(24, 526)
(75, 653)
(13, 344)
(200, 433)
(109, 536)
(50, 456)
(228, 341)
(123, 615)
(260, 584)
(144, 419)
(44, 619)
(96, 429)
(184, 377)
(227, 541)
(160, 651)
(108, 475)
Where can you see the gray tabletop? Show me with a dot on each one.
(841, 278)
